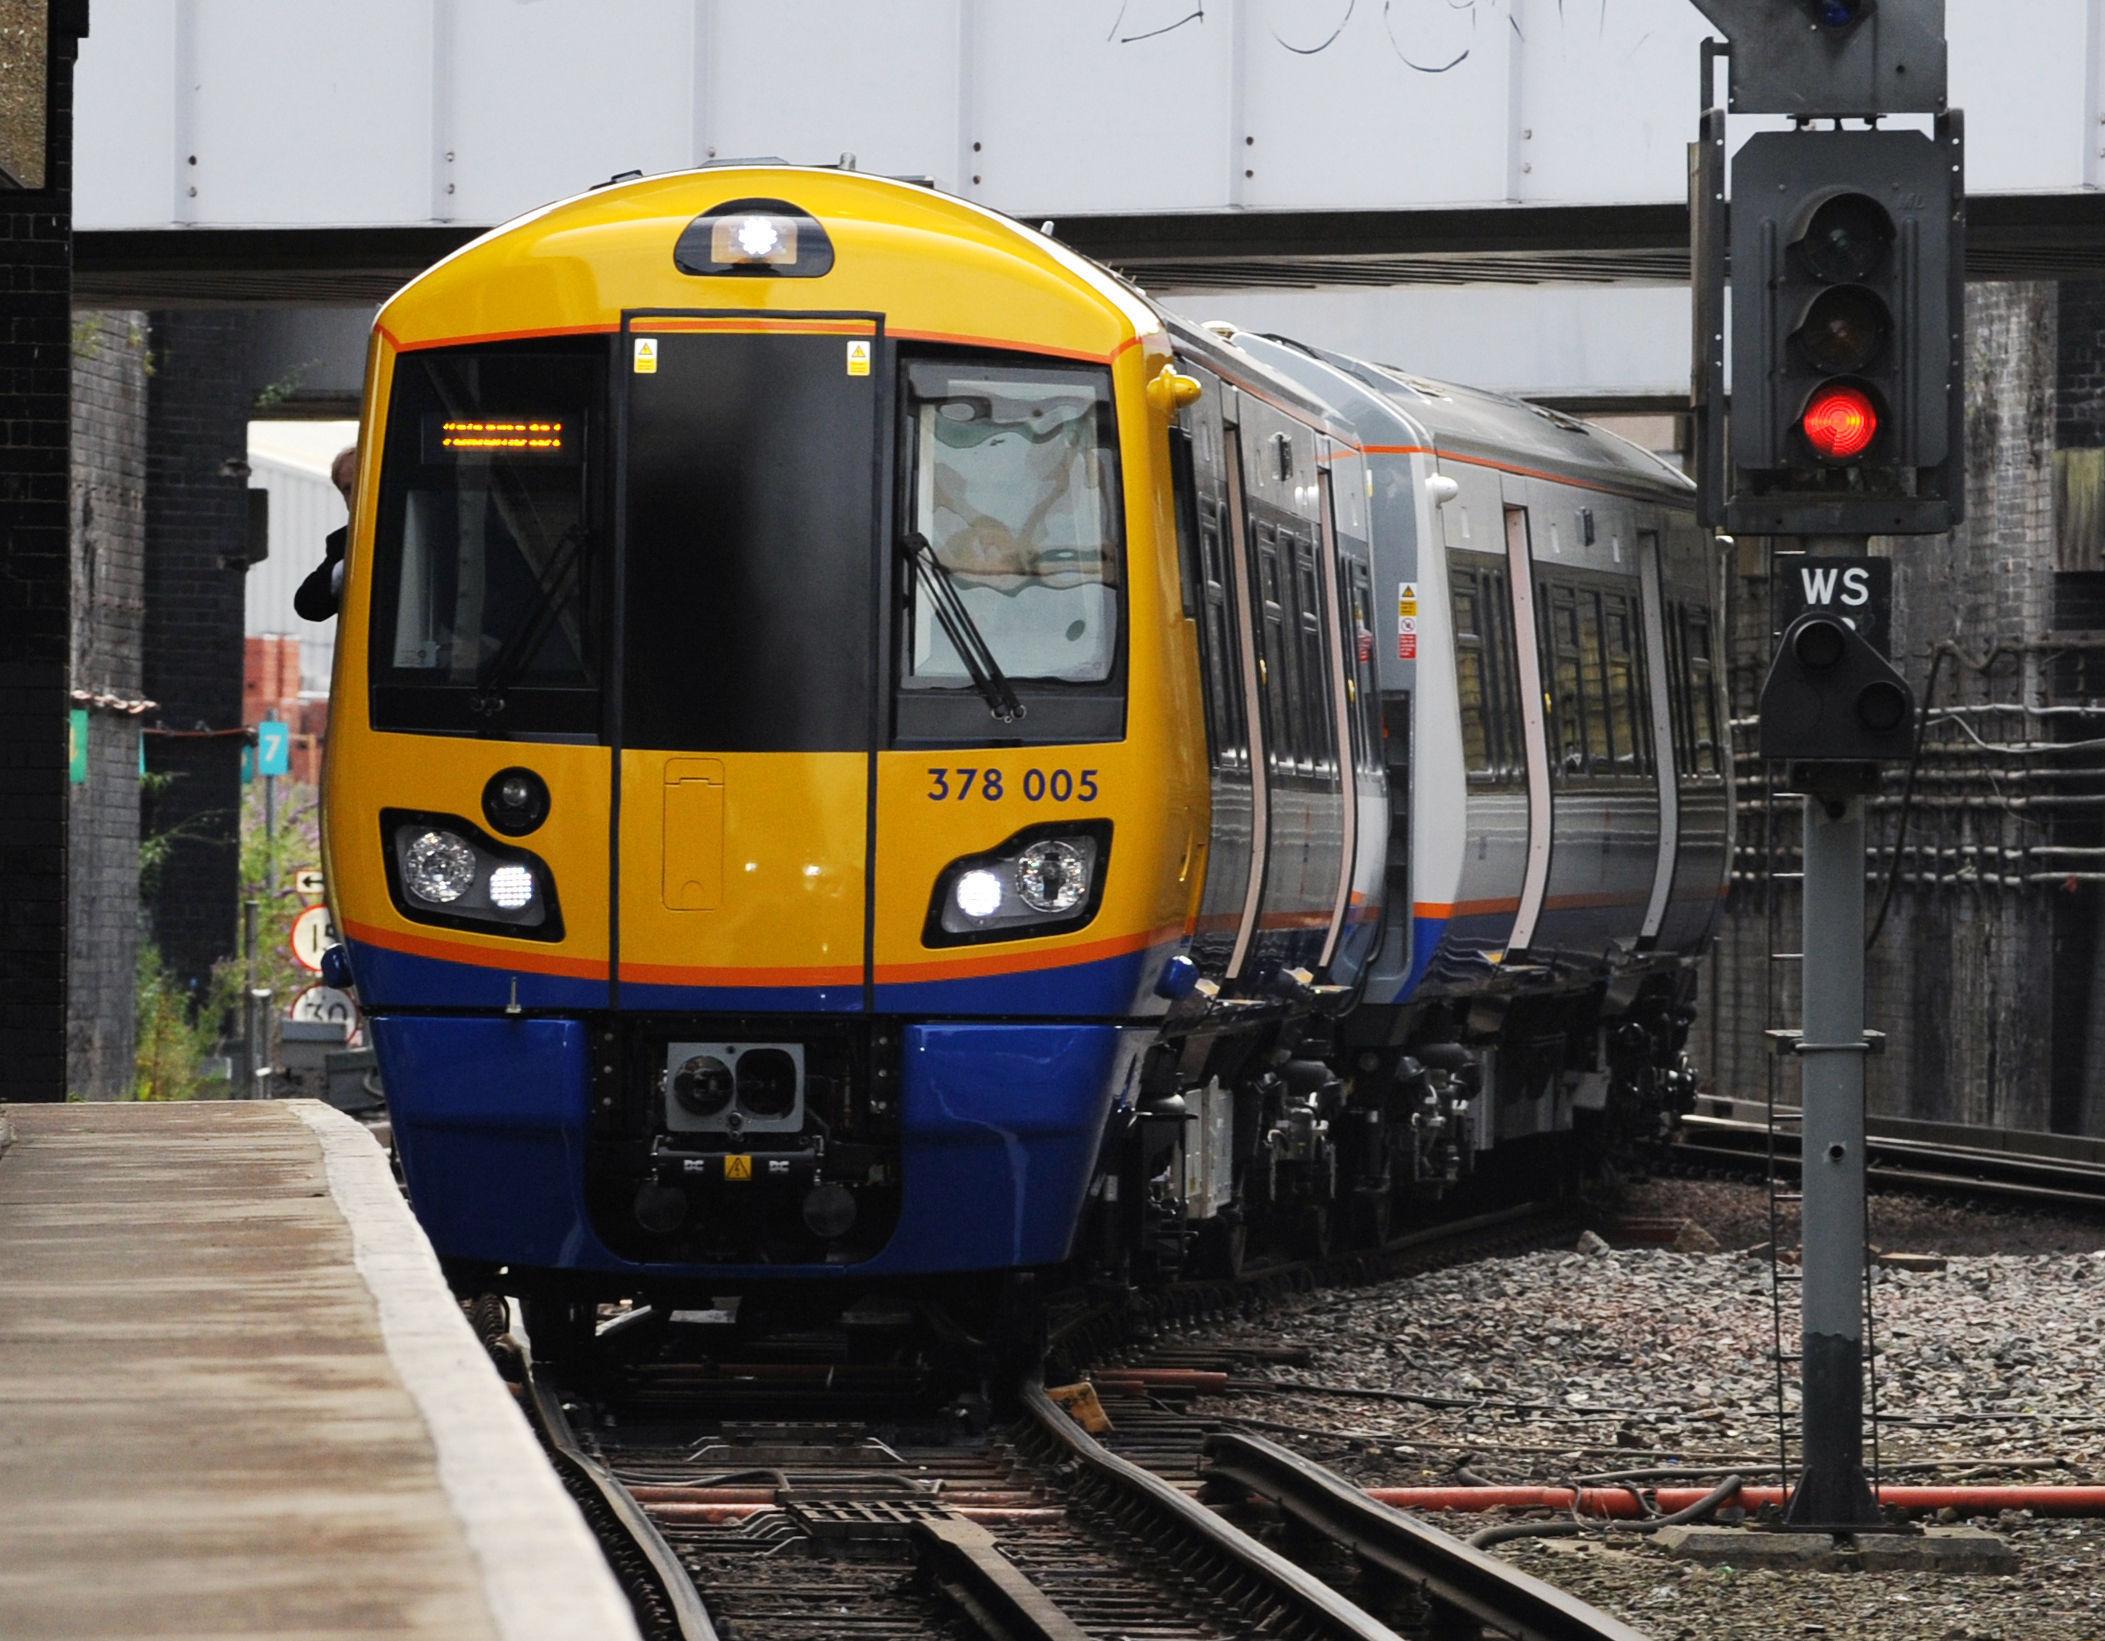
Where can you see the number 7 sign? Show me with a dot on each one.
(273, 748)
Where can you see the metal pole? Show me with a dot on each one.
(245, 1077)
(1833, 1490)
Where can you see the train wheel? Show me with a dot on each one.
(1372, 1218)
(1224, 1242)
(560, 1332)
(1312, 1230)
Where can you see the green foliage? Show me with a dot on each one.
(181, 1034)
(174, 1046)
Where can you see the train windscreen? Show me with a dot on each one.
(1013, 488)
(490, 584)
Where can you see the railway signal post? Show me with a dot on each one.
(1843, 250)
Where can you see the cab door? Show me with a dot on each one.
(748, 603)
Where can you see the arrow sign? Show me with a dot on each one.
(307, 883)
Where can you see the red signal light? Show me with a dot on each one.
(1840, 422)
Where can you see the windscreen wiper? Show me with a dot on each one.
(959, 627)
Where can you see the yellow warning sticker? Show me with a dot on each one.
(859, 357)
(646, 356)
(738, 1167)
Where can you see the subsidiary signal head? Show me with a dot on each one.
(1839, 16)
(1832, 698)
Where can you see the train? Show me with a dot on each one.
(866, 751)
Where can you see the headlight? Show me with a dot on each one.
(442, 869)
(1052, 876)
(438, 867)
(1047, 880)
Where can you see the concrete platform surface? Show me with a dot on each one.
(236, 1398)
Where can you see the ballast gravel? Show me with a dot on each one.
(1555, 1365)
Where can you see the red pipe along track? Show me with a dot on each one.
(1622, 1503)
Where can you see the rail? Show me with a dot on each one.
(1312, 1602)
(683, 1606)
(2056, 1170)
(1444, 1570)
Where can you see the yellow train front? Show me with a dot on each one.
(755, 810)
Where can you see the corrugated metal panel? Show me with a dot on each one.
(304, 508)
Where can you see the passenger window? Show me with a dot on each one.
(1703, 696)
(1279, 692)
(1600, 734)
(1360, 635)
(1625, 688)
(1671, 680)
(1314, 670)
(1567, 693)
(1472, 681)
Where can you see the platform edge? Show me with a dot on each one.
(544, 1576)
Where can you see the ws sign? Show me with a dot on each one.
(1859, 590)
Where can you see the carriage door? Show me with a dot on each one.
(1299, 763)
(1661, 729)
(748, 606)
(1527, 650)
(1209, 481)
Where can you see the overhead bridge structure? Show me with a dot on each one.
(1493, 189)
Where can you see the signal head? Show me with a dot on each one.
(1819, 642)
(1847, 239)
(1845, 329)
(1839, 422)
(1882, 706)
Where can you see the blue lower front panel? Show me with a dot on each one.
(999, 1130)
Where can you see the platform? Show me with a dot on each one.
(236, 1398)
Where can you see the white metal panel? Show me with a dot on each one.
(809, 80)
(1110, 106)
(544, 100)
(306, 114)
(2022, 74)
(124, 101)
(309, 112)
(1375, 105)
(1608, 92)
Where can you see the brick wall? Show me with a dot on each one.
(1961, 979)
(196, 531)
(109, 570)
(35, 594)
(2079, 422)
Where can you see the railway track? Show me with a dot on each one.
(800, 1500)
(2061, 1171)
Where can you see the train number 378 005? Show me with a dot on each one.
(962, 782)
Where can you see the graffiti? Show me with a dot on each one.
(1323, 44)
(1426, 36)
(1197, 14)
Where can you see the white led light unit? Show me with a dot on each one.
(511, 887)
(979, 893)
